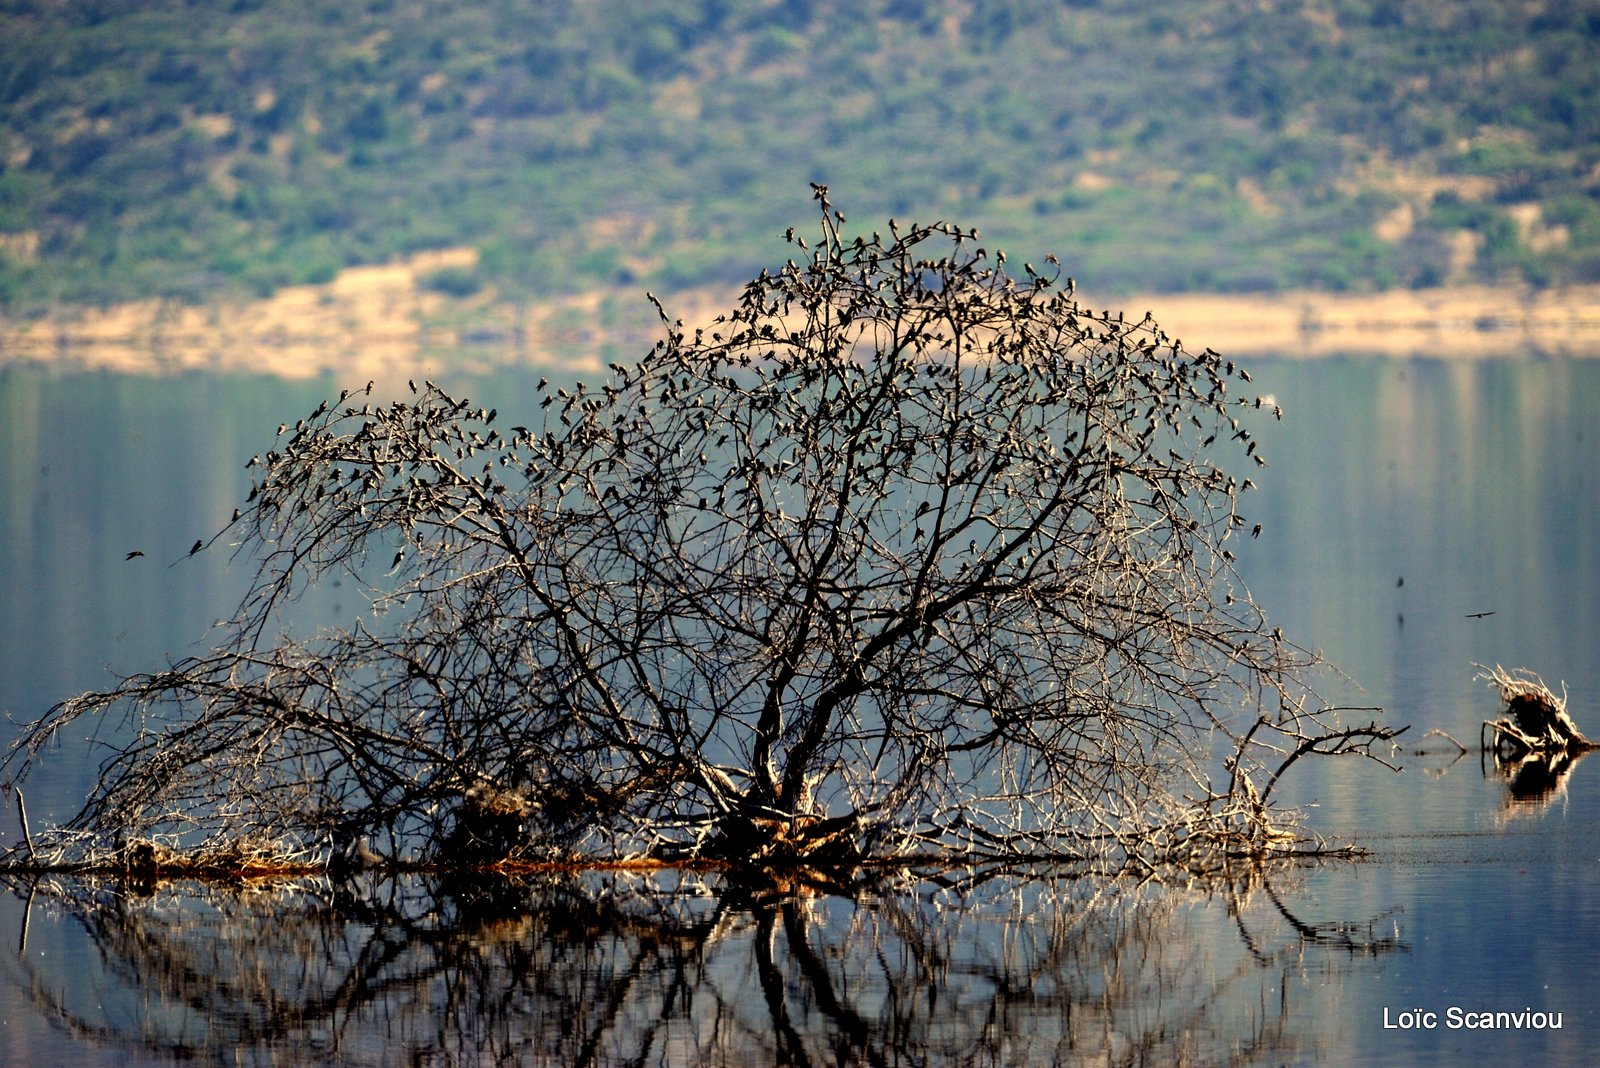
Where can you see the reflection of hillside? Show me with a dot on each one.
(1406, 499)
(673, 968)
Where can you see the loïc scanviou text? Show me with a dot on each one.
(1457, 1018)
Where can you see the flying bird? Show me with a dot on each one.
(131, 555)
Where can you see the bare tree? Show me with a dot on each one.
(907, 554)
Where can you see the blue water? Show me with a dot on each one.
(1404, 500)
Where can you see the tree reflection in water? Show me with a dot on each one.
(1533, 781)
(674, 967)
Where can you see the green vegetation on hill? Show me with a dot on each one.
(194, 150)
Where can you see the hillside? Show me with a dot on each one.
(197, 152)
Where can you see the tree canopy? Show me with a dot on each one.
(908, 554)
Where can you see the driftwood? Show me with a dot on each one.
(1536, 720)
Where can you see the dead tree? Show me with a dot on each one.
(906, 554)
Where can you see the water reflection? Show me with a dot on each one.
(971, 968)
(1533, 781)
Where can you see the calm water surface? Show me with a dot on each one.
(1404, 500)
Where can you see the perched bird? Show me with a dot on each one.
(197, 546)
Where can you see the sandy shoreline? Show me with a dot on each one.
(379, 322)
(1463, 322)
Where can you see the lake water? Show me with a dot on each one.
(1419, 517)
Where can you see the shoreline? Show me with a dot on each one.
(1466, 322)
(379, 322)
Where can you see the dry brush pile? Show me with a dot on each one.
(1536, 720)
(906, 555)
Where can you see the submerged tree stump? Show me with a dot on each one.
(1536, 720)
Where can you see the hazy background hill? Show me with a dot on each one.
(205, 150)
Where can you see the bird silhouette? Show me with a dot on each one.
(135, 552)
(197, 546)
